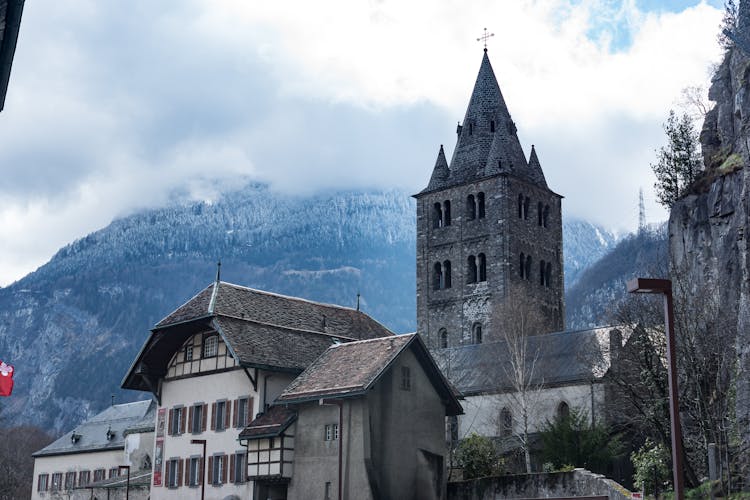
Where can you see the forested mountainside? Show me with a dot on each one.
(73, 327)
(601, 286)
(584, 243)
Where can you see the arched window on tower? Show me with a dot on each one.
(545, 216)
(437, 276)
(447, 274)
(437, 216)
(471, 269)
(528, 267)
(471, 208)
(506, 422)
(526, 202)
(520, 206)
(522, 266)
(447, 213)
(548, 274)
(476, 333)
(539, 213)
(443, 337)
(563, 410)
(482, 265)
(480, 205)
(542, 269)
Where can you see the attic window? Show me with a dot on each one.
(210, 346)
(189, 352)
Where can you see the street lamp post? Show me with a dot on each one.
(203, 466)
(664, 287)
(127, 484)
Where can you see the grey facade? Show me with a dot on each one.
(485, 222)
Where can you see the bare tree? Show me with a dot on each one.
(522, 370)
(16, 462)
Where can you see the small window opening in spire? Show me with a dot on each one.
(545, 216)
(443, 336)
(520, 206)
(471, 269)
(480, 205)
(539, 213)
(471, 128)
(526, 203)
(447, 274)
(482, 267)
(542, 268)
(528, 267)
(522, 266)
(471, 207)
(437, 216)
(548, 274)
(492, 125)
(476, 333)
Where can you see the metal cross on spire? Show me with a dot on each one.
(486, 36)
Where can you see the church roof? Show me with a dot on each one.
(91, 435)
(487, 142)
(352, 369)
(561, 358)
(261, 330)
(440, 173)
(10, 21)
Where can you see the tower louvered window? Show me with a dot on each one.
(482, 265)
(446, 213)
(545, 216)
(480, 205)
(471, 208)
(471, 269)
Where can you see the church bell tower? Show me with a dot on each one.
(487, 225)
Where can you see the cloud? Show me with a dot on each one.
(115, 106)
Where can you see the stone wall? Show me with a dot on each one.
(578, 482)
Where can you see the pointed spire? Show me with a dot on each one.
(440, 173)
(535, 168)
(487, 124)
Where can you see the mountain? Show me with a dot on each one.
(584, 243)
(72, 327)
(590, 301)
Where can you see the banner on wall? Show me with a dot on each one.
(158, 461)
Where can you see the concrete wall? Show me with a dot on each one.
(579, 482)
(393, 442)
(482, 412)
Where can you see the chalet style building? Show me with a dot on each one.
(251, 373)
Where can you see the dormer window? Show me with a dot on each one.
(110, 434)
(210, 346)
(74, 438)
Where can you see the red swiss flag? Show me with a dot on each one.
(6, 379)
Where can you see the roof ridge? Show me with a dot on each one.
(290, 297)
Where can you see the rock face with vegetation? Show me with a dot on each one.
(707, 240)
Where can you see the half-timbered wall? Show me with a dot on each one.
(198, 355)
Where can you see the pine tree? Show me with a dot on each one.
(728, 24)
(678, 163)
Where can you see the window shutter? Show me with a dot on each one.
(202, 471)
(204, 417)
(166, 472)
(227, 414)
(235, 422)
(182, 420)
(170, 430)
(190, 418)
(210, 470)
(223, 459)
(213, 416)
(250, 416)
(231, 467)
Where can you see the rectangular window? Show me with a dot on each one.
(56, 481)
(189, 352)
(329, 432)
(177, 424)
(173, 475)
(405, 378)
(84, 478)
(197, 423)
(43, 482)
(219, 469)
(328, 491)
(113, 472)
(240, 467)
(210, 346)
(242, 413)
(221, 415)
(195, 471)
(70, 480)
(335, 431)
(99, 475)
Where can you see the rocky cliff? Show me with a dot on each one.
(707, 241)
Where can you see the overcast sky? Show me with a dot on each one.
(118, 106)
